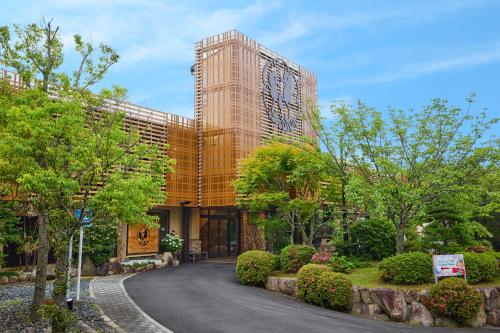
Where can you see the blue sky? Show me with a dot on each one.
(385, 53)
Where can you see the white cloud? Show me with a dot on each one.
(430, 67)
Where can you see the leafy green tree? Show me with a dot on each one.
(59, 143)
(373, 238)
(405, 163)
(285, 182)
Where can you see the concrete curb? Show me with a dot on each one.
(161, 328)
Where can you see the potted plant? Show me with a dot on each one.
(172, 243)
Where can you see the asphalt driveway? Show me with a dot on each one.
(206, 297)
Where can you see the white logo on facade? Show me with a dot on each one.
(281, 95)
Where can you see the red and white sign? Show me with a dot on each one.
(449, 265)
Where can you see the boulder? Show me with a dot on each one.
(479, 320)
(272, 283)
(356, 298)
(50, 273)
(126, 269)
(489, 296)
(445, 322)
(13, 279)
(365, 295)
(4, 280)
(168, 258)
(116, 267)
(412, 296)
(288, 286)
(392, 302)
(88, 267)
(372, 311)
(493, 318)
(22, 277)
(419, 315)
(102, 270)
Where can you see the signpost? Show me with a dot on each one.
(85, 222)
(449, 265)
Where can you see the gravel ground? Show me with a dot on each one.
(15, 303)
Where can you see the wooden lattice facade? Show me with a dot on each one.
(230, 109)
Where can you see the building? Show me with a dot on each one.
(243, 94)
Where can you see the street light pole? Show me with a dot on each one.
(79, 274)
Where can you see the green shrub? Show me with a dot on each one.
(373, 237)
(480, 266)
(60, 319)
(341, 264)
(293, 257)
(335, 290)
(307, 282)
(100, 241)
(253, 267)
(407, 268)
(277, 262)
(452, 297)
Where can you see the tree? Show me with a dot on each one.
(286, 183)
(405, 163)
(59, 143)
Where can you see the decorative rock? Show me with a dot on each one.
(392, 302)
(102, 270)
(412, 296)
(88, 267)
(126, 269)
(479, 320)
(50, 273)
(272, 283)
(493, 317)
(12, 279)
(365, 295)
(489, 298)
(420, 315)
(176, 262)
(366, 310)
(116, 267)
(4, 280)
(22, 277)
(355, 295)
(288, 286)
(445, 322)
(168, 258)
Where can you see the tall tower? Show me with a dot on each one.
(244, 93)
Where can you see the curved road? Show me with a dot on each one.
(206, 298)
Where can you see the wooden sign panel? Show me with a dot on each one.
(142, 240)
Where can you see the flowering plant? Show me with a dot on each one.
(321, 257)
(172, 243)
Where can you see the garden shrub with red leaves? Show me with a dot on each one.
(454, 298)
(321, 258)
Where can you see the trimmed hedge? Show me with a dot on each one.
(253, 267)
(452, 297)
(293, 257)
(407, 268)
(307, 282)
(480, 266)
(334, 290)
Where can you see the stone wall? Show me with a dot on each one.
(401, 305)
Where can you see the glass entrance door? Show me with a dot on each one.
(219, 232)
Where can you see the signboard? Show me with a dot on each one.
(281, 94)
(87, 217)
(449, 265)
(142, 240)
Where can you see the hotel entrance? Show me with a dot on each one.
(220, 232)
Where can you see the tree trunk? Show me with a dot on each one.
(400, 238)
(345, 229)
(60, 283)
(41, 265)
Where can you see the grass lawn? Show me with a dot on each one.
(369, 277)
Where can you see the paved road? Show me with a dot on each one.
(206, 298)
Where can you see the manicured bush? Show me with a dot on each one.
(307, 282)
(373, 237)
(334, 289)
(277, 262)
(253, 267)
(293, 257)
(99, 242)
(407, 268)
(341, 264)
(452, 297)
(60, 319)
(480, 266)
